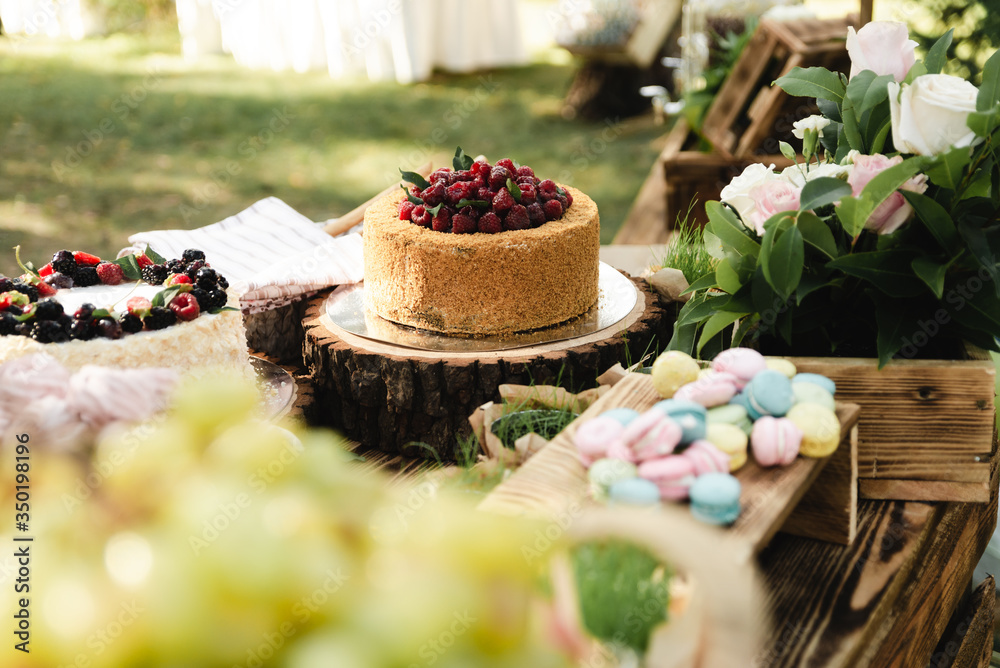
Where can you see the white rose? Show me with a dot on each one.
(929, 116)
(795, 176)
(737, 193)
(813, 122)
(884, 47)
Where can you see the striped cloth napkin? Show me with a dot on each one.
(271, 254)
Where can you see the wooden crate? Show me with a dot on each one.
(772, 498)
(926, 431)
(658, 18)
(693, 174)
(749, 114)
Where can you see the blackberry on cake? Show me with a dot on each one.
(154, 274)
(82, 330)
(48, 331)
(108, 328)
(59, 281)
(192, 254)
(8, 323)
(25, 289)
(48, 309)
(86, 276)
(131, 323)
(217, 299)
(160, 317)
(85, 312)
(64, 262)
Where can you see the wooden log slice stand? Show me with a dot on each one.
(417, 402)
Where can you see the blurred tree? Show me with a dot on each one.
(977, 31)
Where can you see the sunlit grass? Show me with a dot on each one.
(103, 138)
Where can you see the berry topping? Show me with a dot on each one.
(6, 285)
(155, 274)
(553, 209)
(82, 330)
(498, 177)
(143, 261)
(517, 218)
(25, 289)
(420, 216)
(536, 214)
(178, 279)
(45, 271)
(85, 312)
(435, 194)
(138, 305)
(405, 209)
(86, 276)
(441, 223)
(131, 323)
(8, 324)
(547, 187)
(45, 289)
(110, 274)
(503, 200)
(204, 301)
(59, 281)
(86, 259)
(507, 164)
(524, 170)
(159, 317)
(64, 263)
(48, 309)
(461, 190)
(185, 307)
(193, 267)
(217, 299)
(206, 278)
(176, 266)
(108, 328)
(490, 223)
(192, 254)
(462, 224)
(48, 331)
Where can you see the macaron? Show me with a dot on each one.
(743, 363)
(715, 498)
(731, 440)
(743, 402)
(706, 458)
(781, 365)
(673, 475)
(688, 414)
(593, 437)
(731, 413)
(809, 393)
(672, 370)
(711, 389)
(775, 441)
(652, 434)
(634, 492)
(820, 429)
(618, 450)
(623, 415)
(606, 472)
(769, 393)
(816, 379)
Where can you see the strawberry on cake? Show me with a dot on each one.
(481, 250)
(137, 311)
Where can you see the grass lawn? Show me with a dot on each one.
(103, 138)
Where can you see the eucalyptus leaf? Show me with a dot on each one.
(822, 191)
(816, 82)
(937, 55)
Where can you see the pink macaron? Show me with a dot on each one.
(673, 474)
(618, 450)
(743, 363)
(706, 458)
(594, 437)
(652, 434)
(713, 388)
(775, 441)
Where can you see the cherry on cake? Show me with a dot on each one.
(131, 313)
(481, 249)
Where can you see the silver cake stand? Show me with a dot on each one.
(616, 299)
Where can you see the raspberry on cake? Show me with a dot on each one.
(502, 262)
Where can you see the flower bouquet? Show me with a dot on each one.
(885, 239)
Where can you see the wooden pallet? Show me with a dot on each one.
(749, 114)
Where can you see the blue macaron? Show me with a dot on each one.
(769, 393)
(689, 415)
(715, 498)
(816, 379)
(623, 415)
(634, 492)
(741, 400)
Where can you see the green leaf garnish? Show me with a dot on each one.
(103, 313)
(415, 179)
(433, 210)
(130, 267)
(154, 256)
(17, 256)
(164, 297)
(461, 161)
(410, 197)
(478, 203)
(514, 190)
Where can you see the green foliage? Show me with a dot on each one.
(975, 25)
(727, 51)
(623, 590)
(686, 250)
(818, 280)
(546, 423)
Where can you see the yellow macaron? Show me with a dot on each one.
(820, 429)
(731, 440)
(672, 370)
(781, 365)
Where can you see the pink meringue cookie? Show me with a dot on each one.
(652, 434)
(706, 458)
(595, 436)
(102, 395)
(710, 390)
(743, 363)
(618, 450)
(775, 441)
(673, 474)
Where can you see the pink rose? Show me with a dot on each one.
(884, 47)
(890, 215)
(772, 197)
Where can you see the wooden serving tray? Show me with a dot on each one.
(554, 483)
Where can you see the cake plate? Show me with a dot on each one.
(277, 388)
(401, 399)
(617, 297)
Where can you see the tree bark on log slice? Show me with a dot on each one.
(417, 403)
